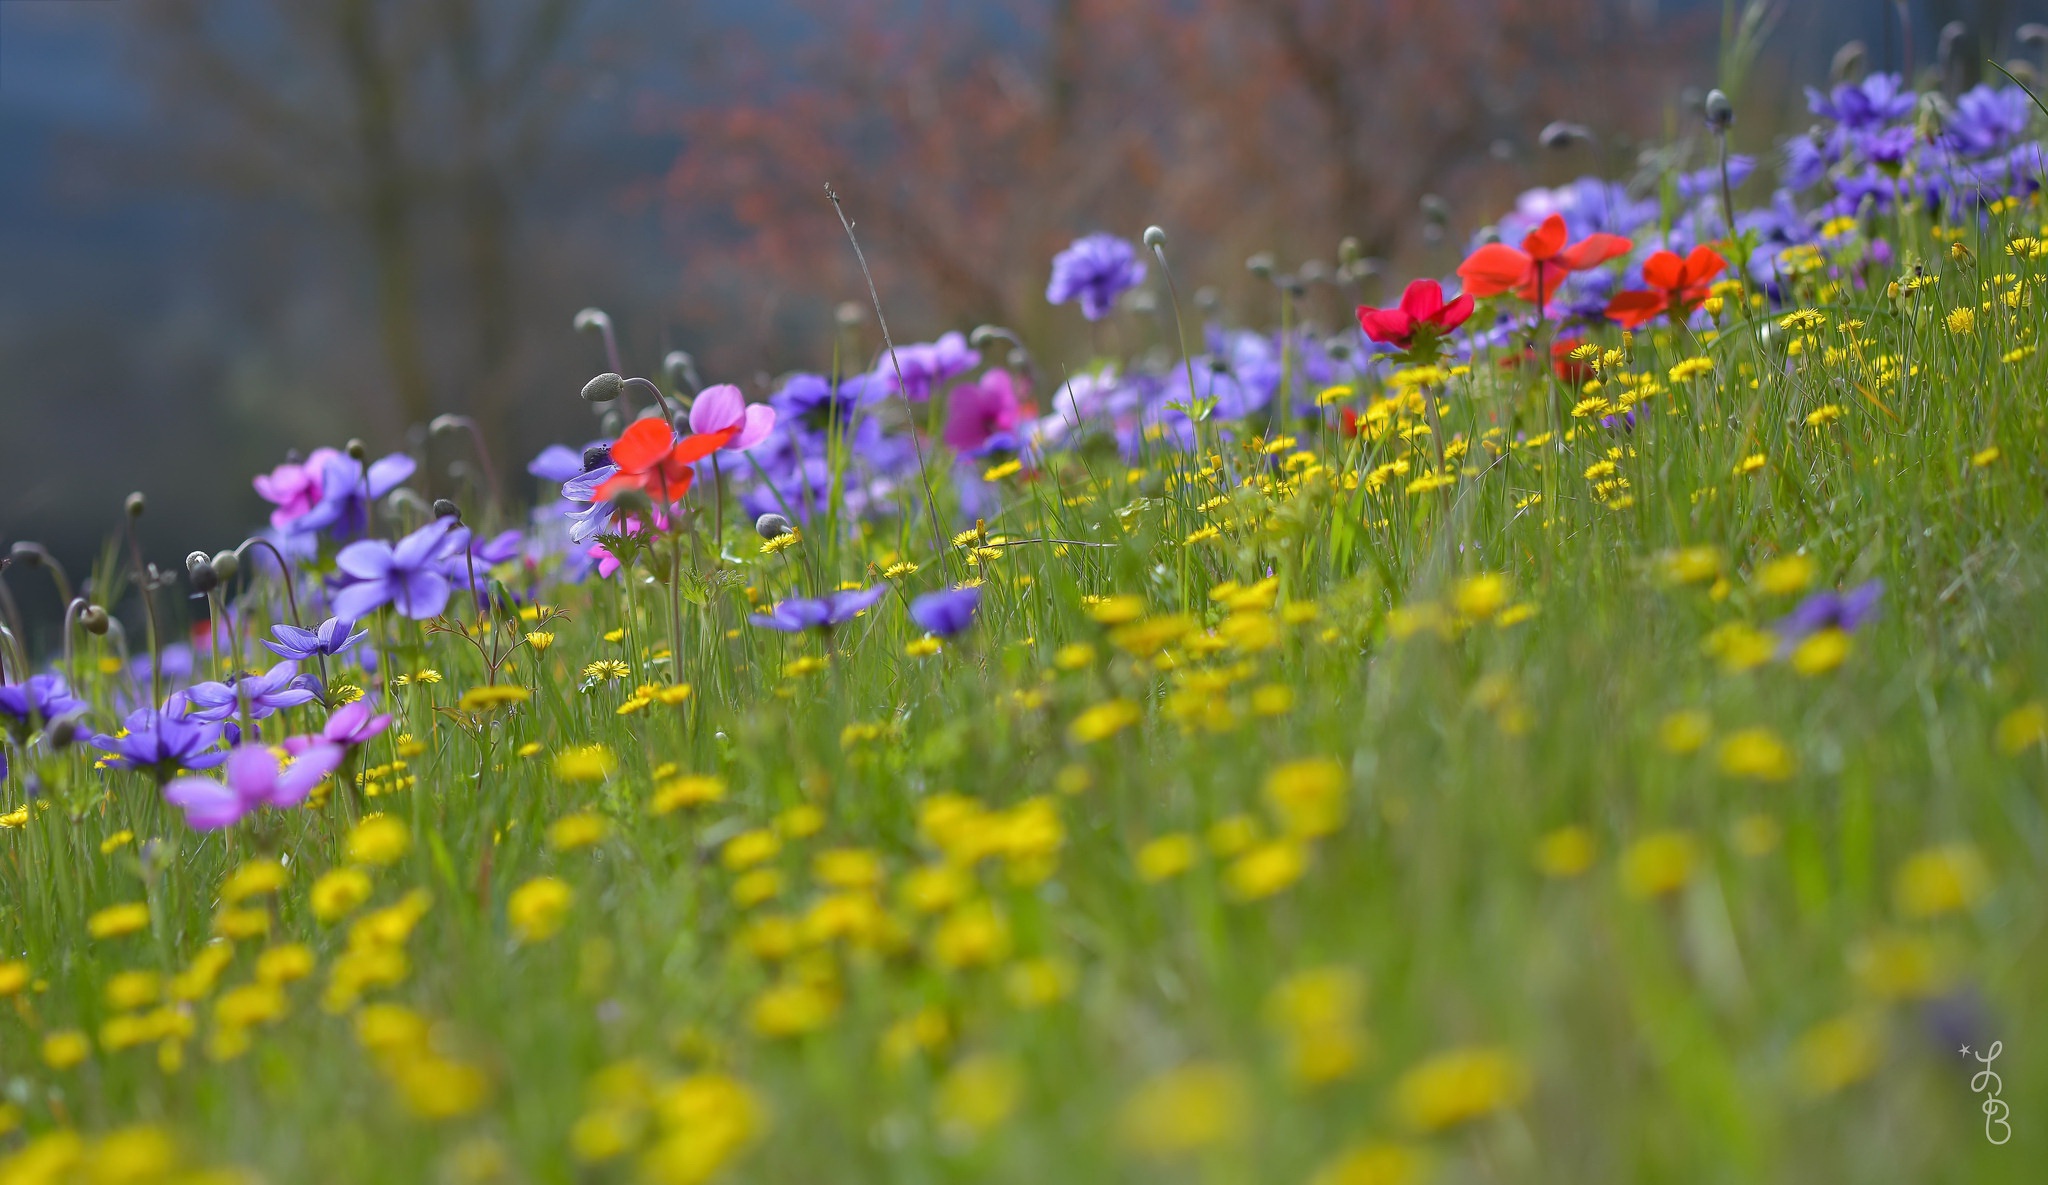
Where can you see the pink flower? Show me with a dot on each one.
(722, 407)
(294, 488)
(253, 778)
(981, 411)
(350, 725)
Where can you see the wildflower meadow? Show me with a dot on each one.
(1585, 720)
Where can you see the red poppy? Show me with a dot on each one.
(1422, 310)
(1567, 368)
(1535, 271)
(649, 457)
(1677, 286)
(1347, 422)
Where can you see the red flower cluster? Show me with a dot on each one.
(1677, 286)
(1535, 271)
(650, 458)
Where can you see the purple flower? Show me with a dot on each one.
(26, 706)
(332, 637)
(556, 463)
(406, 574)
(162, 743)
(928, 365)
(948, 611)
(1878, 99)
(1987, 119)
(983, 414)
(719, 408)
(295, 487)
(278, 688)
(1830, 610)
(1098, 269)
(346, 493)
(253, 778)
(810, 613)
(351, 725)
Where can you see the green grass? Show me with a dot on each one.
(1654, 1018)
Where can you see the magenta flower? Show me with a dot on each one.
(722, 407)
(253, 778)
(984, 414)
(350, 726)
(295, 487)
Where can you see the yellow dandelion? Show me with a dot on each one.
(1460, 1085)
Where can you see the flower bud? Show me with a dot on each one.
(603, 389)
(226, 565)
(63, 731)
(1719, 111)
(772, 526)
(849, 314)
(1848, 63)
(199, 568)
(1435, 210)
(135, 505)
(1260, 265)
(356, 449)
(1155, 237)
(443, 508)
(681, 370)
(1349, 251)
(95, 620)
(2033, 35)
(1560, 135)
(28, 555)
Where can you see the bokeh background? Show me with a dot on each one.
(229, 228)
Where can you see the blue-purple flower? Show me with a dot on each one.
(1097, 269)
(252, 778)
(347, 490)
(948, 611)
(260, 695)
(406, 575)
(333, 637)
(812, 613)
(162, 743)
(1830, 610)
(25, 707)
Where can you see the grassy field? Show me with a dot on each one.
(1449, 801)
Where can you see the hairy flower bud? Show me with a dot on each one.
(849, 314)
(1560, 135)
(1261, 265)
(95, 620)
(135, 505)
(603, 389)
(681, 370)
(356, 449)
(63, 731)
(199, 568)
(1719, 111)
(1155, 237)
(443, 508)
(2033, 35)
(28, 555)
(772, 526)
(1848, 62)
(226, 565)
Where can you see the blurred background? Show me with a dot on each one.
(231, 228)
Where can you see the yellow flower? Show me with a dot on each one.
(1075, 656)
(1786, 575)
(1756, 835)
(1166, 858)
(255, 878)
(1309, 797)
(793, 1009)
(1900, 967)
(1691, 368)
(580, 830)
(1821, 651)
(586, 763)
(1941, 880)
(1985, 457)
(1316, 1014)
(978, 1094)
(1685, 731)
(2023, 728)
(1565, 853)
(485, 699)
(1267, 869)
(709, 1120)
(1103, 721)
(1740, 646)
(921, 648)
(116, 842)
(1462, 1084)
(1118, 610)
(65, 1048)
(378, 840)
(687, 791)
(1372, 1164)
(540, 640)
(972, 935)
(1692, 565)
(538, 908)
(338, 893)
(1962, 321)
(14, 976)
(284, 964)
(118, 920)
(250, 1004)
(1756, 753)
(1658, 864)
(749, 848)
(133, 989)
(1478, 598)
(1037, 983)
(1839, 1052)
(1185, 1110)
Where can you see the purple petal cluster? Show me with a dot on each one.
(1095, 270)
(815, 613)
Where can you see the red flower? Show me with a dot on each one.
(1534, 272)
(1567, 368)
(650, 458)
(1422, 309)
(1677, 286)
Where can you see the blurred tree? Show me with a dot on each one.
(390, 116)
(974, 139)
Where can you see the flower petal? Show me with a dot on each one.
(717, 408)
(1594, 250)
(1493, 269)
(1546, 240)
(642, 444)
